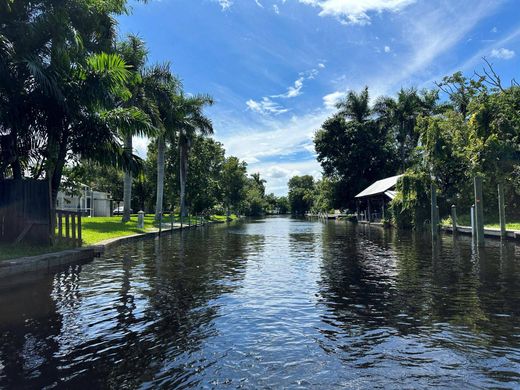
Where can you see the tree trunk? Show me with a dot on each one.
(160, 178)
(183, 164)
(127, 185)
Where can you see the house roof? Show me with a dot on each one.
(379, 187)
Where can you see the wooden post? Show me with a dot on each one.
(180, 215)
(171, 220)
(433, 211)
(383, 208)
(60, 224)
(369, 211)
(67, 226)
(357, 211)
(472, 215)
(73, 218)
(501, 211)
(80, 238)
(479, 210)
(454, 219)
(140, 219)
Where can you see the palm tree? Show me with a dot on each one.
(134, 52)
(191, 119)
(400, 116)
(259, 182)
(163, 87)
(356, 106)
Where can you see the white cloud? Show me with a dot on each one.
(225, 4)
(276, 9)
(292, 91)
(494, 30)
(387, 49)
(356, 11)
(429, 33)
(502, 53)
(330, 100)
(277, 175)
(321, 65)
(140, 145)
(265, 106)
(259, 4)
(269, 147)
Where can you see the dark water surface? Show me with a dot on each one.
(273, 303)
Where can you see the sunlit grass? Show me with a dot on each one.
(98, 229)
(465, 220)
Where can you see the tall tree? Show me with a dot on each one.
(234, 180)
(162, 87)
(399, 117)
(135, 53)
(356, 106)
(191, 119)
(301, 191)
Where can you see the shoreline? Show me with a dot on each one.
(52, 260)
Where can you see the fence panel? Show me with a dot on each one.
(25, 211)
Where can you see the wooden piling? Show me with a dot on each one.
(479, 211)
(433, 211)
(502, 210)
(454, 219)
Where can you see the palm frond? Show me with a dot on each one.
(41, 75)
(111, 66)
(129, 121)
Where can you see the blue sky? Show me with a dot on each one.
(276, 67)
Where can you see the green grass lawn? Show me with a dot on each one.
(97, 229)
(509, 226)
(465, 220)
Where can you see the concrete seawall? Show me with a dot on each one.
(49, 261)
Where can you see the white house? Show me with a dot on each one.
(90, 202)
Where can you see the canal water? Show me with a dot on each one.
(270, 303)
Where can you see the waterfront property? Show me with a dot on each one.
(372, 201)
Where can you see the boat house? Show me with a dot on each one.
(373, 200)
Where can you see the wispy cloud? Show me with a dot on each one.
(259, 4)
(292, 91)
(224, 4)
(276, 9)
(274, 137)
(477, 57)
(429, 33)
(265, 106)
(356, 11)
(502, 53)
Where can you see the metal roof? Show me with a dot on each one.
(379, 187)
(391, 194)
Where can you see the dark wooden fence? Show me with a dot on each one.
(68, 227)
(25, 211)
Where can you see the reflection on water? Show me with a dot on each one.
(277, 302)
